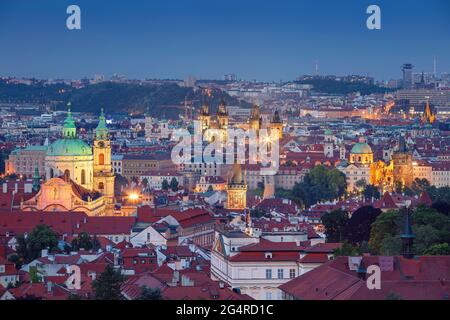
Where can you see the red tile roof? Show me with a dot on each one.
(425, 277)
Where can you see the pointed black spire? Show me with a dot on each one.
(276, 117)
(361, 271)
(407, 237)
(402, 147)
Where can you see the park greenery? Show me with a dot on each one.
(343, 87)
(86, 242)
(148, 293)
(370, 230)
(320, 184)
(108, 285)
(30, 246)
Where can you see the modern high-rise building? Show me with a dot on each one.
(407, 75)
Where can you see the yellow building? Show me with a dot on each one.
(255, 121)
(361, 153)
(428, 116)
(205, 117)
(62, 194)
(237, 190)
(403, 165)
(220, 122)
(277, 124)
(103, 172)
(78, 177)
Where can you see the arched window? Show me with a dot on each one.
(101, 159)
(101, 186)
(52, 174)
(83, 176)
(67, 174)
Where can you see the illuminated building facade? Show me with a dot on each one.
(237, 190)
(78, 177)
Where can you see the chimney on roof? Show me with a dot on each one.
(175, 277)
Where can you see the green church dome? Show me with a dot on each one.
(69, 147)
(361, 148)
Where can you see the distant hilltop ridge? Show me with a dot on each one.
(164, 100)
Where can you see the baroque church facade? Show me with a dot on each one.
(78, 177)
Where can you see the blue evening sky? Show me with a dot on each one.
(263, 40)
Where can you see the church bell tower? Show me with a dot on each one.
(103, 173)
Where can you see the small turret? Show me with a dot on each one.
(205, 109)
(237, 174)
(402, 147)
(101, 132)
(222, 110)
(276, 117)
(69, 130)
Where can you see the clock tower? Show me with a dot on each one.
(103, 173)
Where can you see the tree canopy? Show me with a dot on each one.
(107, 285)
(150, 294)
(31, 246)
(320, 184)
(431, 229)
(335, 223)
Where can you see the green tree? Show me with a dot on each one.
(386, 224)
(347, 249)
(442, 207)
(95, 243)
(107, 285)
(83, 241)
(426, 237)
(34, 275)
(391, 245)
(439, 249)
(335, 223)
(321, 183)
(41, 237)
(14, 258)
(257, 213)
(210, 188)
(174, 184)
(370, 191)
(150, 294)
(361, 185)
(359, 225)
(442, 193)
(420, 185)
(165, 185)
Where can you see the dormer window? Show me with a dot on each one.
(268, 255)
